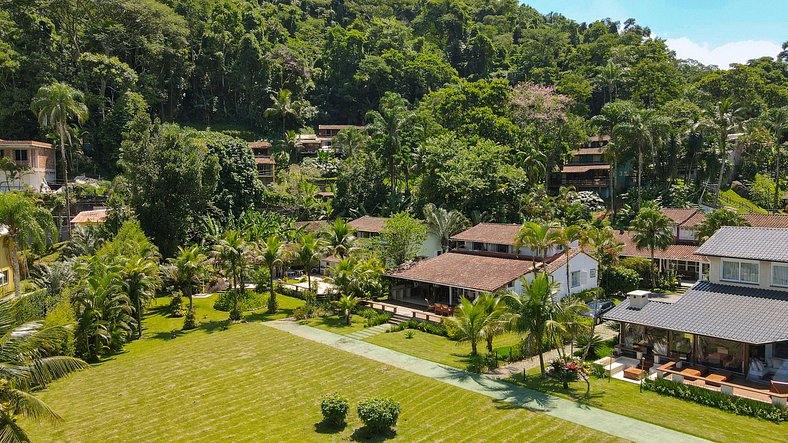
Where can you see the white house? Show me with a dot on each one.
(369, 227)
(37, 160)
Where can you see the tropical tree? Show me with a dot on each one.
(309, 249)
(25, 224)
(346, 304)
(477, 320)
(716, 219)
(444, 224)
(565, 238)
(539, 238)
(54, 278)
(233, 254)
(340, 238)
(533, 312)
(27, 363)
(349, 141)
(282, 107)
(721, 120)
(188, 273)
(386, 127)
(55, 105)
(610, 76)
(139, 280)
(652, 230)
(777, 122)
(272, 254)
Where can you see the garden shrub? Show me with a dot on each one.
(378, 318)
(620, 280)
(475, 364)
(175, 307)
(334, 408)
(247, 301)
(378, 414)
(762, 191)
(736, 405)
(424, 326)
(640, 265)
(452, 330)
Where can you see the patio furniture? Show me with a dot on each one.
(715, 379)
(633, 373)
(442, 309)
(430, 306)
(691, 373)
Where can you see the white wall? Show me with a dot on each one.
(431, 246)
(581, 262)
(687, 234)
(764, 275)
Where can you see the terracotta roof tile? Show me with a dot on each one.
(24, 143)
(680, 215)
(674, 252)
(496, 233)
(339, 126)
(264, 161)
(311, 225)
(467, 271)
(260, 144)
(369, 224)
(94, 216)
(767, 220)
(574, 169)
(589, 151)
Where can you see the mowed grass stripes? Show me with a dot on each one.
(252, 383)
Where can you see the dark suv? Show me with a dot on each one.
(597, 308)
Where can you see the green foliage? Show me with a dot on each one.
(374, 318)
(718, 218)
(247, 301)
(378, 414)
(402, 238)
(620, 280)
(424, 326)
(762, 191)
(736, 405)
(334, 408)
(642, 266)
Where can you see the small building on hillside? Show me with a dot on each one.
(92, 217)
(370, 227)
(35, 165)
(588, 170)
(264, 160)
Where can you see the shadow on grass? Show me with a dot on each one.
(324, 427)
(368, 435)
(265, 316)
(209, 327)
(576, 392)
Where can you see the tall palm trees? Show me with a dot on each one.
(539, 238)
(777, 122)
(27, 365)
(233, 254)
(188, 272)
(722, 120)
(444, 223)
(340, 238)
(25, 224)
(652, 230)
(272, 254)
(610, 76)
(478, 320)
(282, 107)
(386, 126)
(309, 249)
(55, 105)
(139, 281)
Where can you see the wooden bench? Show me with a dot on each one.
(633, 373)
(716, 379)
(691, 373)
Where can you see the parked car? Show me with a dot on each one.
(597, 308)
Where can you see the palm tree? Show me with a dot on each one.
(718, 218)
(188, 273)
(340, 238)
(777, 122)
(533, 312)
(139, 281)
(349, 141)
(565, 238)
(282, 107)
(25, 224)
(55, 277)
(309, 249)
(539, 238)
(386, 127)
(476, 320)
(346, 303)
(272, 255)
(652, 230)
(722, 120)
(55, 105)
(610, 76)
(233, 254)
(605, 248)
(28, 365)
(444, 224)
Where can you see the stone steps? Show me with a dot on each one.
(369, 332)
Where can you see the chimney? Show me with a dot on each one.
(637, 299)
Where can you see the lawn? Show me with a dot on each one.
(337, 323)
(247, 382)
(626, 399)
(436, 348)
(736, 198)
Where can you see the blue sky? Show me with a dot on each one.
(714, 32)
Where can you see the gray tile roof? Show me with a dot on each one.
(770, 244)
(749, 315)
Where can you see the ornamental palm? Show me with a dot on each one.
(346, 304)
(139, 281)
(533, 312)
(386, 126)
(26, 365)
(282, 106)
(233, 254)
(340, 238)
(652, 230)
(444, 224)
(25, 224)
(777, 122)
(477, 320)
(309, 249)
(55, 105)
(539, 238)
(718, 218)
(722, 119)
(188, 272)
(272, 255)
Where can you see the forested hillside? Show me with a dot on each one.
(469, 104)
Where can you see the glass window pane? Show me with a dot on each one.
(730, 270)
(749, 272)
(780, 275)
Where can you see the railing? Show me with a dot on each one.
(601, 182)
(401, 310)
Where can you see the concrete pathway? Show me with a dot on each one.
(369, 332)
(614, 424)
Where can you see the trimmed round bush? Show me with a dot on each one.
(334, 408)
(378, 414)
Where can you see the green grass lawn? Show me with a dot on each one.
(733, 196)
(626, 399)
(436, 348)
(337, 323)
(251, 383)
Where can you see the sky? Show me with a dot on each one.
(717, 32)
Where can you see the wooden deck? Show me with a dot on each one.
(406, 311)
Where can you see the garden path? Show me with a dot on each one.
(611, 423)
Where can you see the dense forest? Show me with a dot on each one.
(468, 104)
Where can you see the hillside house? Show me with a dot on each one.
(588, 170)
(37, 165)
(264, 161)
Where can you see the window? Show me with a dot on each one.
(478, 246)
(592, 273)
(20, 155)
(4, 278)
(502, 248)
(744, 272)
(576, 278)
(779, 275)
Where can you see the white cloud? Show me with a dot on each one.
(724, 55)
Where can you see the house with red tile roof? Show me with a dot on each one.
(370, 227)
(264, 161)
(589, 170)
(34, 162)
